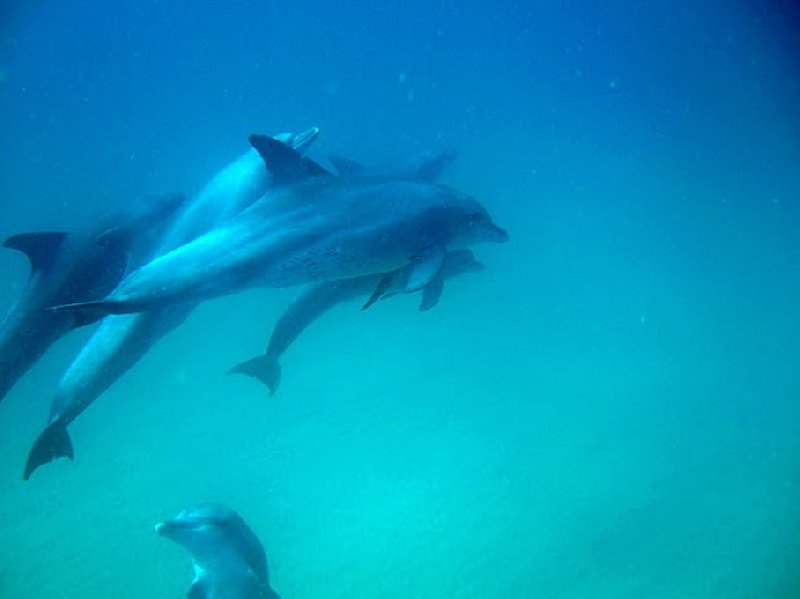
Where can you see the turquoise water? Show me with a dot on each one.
(609, 409)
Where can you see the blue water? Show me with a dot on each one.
(610, 409)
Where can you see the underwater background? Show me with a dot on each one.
(610, 409)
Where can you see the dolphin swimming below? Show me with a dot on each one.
(75, 266)
(313, 228)
(228, 559)
(121, 341)
(320, 298)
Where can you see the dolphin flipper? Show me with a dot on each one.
(51, 444)
(431, 293)
(265, 368)
(98, 308)
(286, 164)
(426, 268)
(40, 248)
(383, 285)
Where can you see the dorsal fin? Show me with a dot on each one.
(285, 163)
(432, 168)
(346, 167)
(41, 248)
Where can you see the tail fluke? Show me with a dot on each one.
(53, 443)
(265, 368)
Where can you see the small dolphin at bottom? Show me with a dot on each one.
(320, 298)
(229, 560)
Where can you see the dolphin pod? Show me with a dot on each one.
(320, 298)
(272, 218)
(313, 227)
(228, 559)
(72, 267)
(121, 341)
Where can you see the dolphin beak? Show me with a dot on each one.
(165, 529)
(304, 139)
(497, 234)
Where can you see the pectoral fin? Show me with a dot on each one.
(380, 289)
(431, 293)
(425, 269)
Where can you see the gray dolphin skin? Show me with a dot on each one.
(75, 266)
(228, 559)
(121, 341)
(314, 227)
(320, 298)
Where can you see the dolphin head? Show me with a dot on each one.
(198, 527)
(209, 530)
(226, 554)
(471, 223)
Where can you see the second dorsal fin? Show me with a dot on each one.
(345, 166)
(285, 163)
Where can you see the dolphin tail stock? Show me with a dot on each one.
(51, 444)
(265, 368)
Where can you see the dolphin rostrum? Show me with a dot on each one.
(228, 559)
(313, 228)
(320, 298)
(75, 266)
(121, 341)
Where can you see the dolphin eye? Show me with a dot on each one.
(476, 217)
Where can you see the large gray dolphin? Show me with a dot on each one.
(319, 298)
(228, 559)
(73, 267)
(313, 228)
(121, 341)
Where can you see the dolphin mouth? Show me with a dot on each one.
(165, 529)
(304, 139)
(498, 234)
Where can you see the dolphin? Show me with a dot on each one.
(313, 228)
(121, 341)
(228, 559)
(73, 267)
(320, 298)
